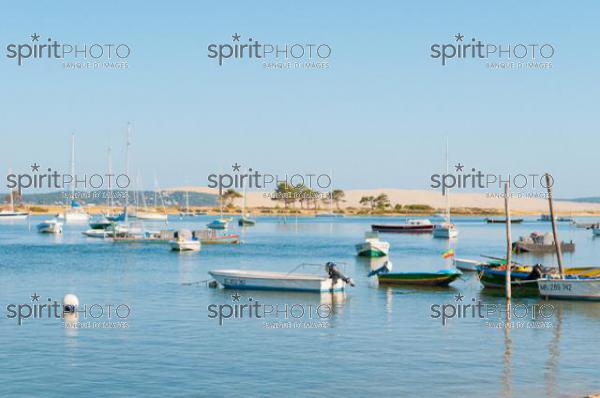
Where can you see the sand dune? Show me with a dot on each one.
(426, 197)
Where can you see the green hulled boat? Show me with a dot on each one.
(246, 221)
(439, 278)
(524, 278)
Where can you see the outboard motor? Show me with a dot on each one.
(335, 274)
(536, 273)
(384, 269)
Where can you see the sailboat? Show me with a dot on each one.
(11, 214)
(330, 214)
(446, 230)
(101, 222)
(145, 214)
(245, 219)
(219, 223)
(75, 213)
(187, 212)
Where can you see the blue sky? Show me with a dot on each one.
(377, 117)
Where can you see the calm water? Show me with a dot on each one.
(379, 341)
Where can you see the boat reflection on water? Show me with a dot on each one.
(300, 310)
(370, 263)
(507, 355)
(552, 365)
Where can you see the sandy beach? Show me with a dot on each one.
(426, 197)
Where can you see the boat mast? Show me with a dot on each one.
(12, 200)
(244, 203)
(554, 229)
(187, 201)
(109, 198)
(143, 192)
(447, 192)
(331, 194)
(126, 209)
(72, 168)
(508, 285)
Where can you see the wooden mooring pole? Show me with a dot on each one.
(508, 287)
(549, 183)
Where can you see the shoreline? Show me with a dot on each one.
(277, 211)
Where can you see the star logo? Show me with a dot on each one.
(459, 167)
(35, 37)
(459, 37)
(35, 167)
(236, 37)
(35, 297)
(236, 167)
(235, 297)
(459, 297)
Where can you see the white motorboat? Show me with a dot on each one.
(50, 227)
(570, 288)
(291, 281)
(596, 230)
(445, 230)
(372, 246)
(185, 240)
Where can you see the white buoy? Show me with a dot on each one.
(70, 303)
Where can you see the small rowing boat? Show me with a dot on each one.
(263, 280)
(467, 265)
(411, 226)
(439, 278)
